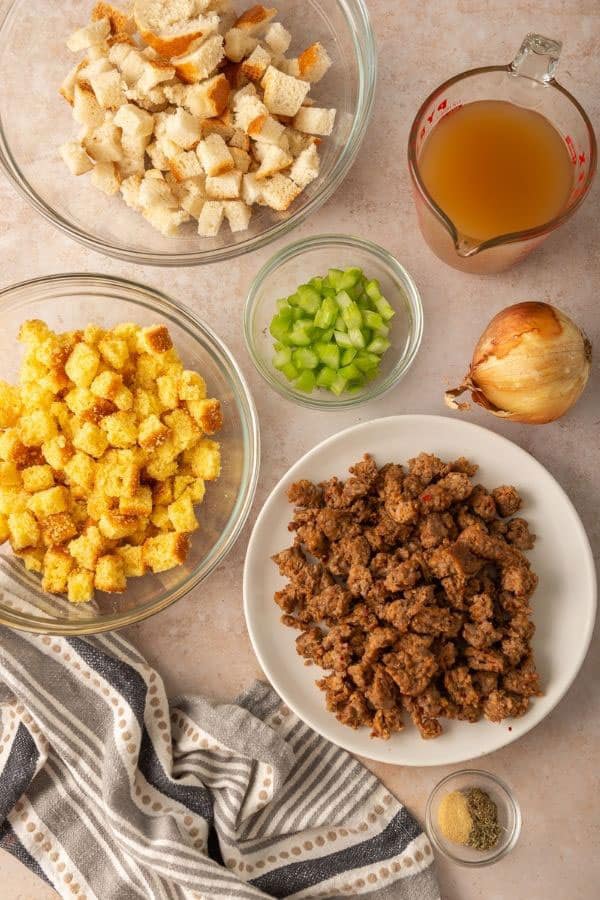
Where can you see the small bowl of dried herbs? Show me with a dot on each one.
(473, 818)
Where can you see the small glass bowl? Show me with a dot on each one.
(69, 302)
(509, 817)
(299, 262)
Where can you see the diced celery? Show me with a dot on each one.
(280, 330)
(327, 313)
(306, 381)
(350, 373)
(304, 358)
(384, 309)
(277, 346)
(282, 304)
(334, 277)
(378, 345)
(373, 319)
(310, 299)
(294, 299)
(372, 288)
(282, 358)
(298, 313)
(355, 292)
(327, 336)
(348, 356)
(317, 283)
(326, 377)
(350, 277)
(329, 354)
(383, 331)
(342, 339)
(343, 300)
(301, 333)
(328, 291)
(290, 371)
(357, 338)
(366, 361)
(340, 325)
(338, 385)
(352, 316)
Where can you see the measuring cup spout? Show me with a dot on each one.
(466, 246)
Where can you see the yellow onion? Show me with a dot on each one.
(530, 365)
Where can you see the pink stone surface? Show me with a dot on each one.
(200, 644)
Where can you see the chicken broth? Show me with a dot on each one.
(495, 168)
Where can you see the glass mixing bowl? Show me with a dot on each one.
(296, 264)
(35, 121)
(68, 302)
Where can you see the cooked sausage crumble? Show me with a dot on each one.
(411, 588)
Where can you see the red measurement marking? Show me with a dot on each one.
(442, 105)
(422, 133)
(581, 158)
(571, 145)
(581, 176)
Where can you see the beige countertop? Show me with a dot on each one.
(200, 644)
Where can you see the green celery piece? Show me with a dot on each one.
(277, 346)
(328, 291)
(340, 325)
(326, 377)
(297, 313)
(356, 386)
(282, 304)
(286, 314)
(338, 385)
(343, 300)
(327, 313)
(305, 358)
(357, 338)
(306, 381)
(383, 331)
(301, 335)
(348, 356)
(310, 299)
(355, 291)
(334, 276)
(372, 319)
(351, 277)
(366, 361)
(282, 358)
(373, 290)
(342, 339)
(329, 354)
(384, 309)
(294, 299)
(280, 330)
(327, 336)
(350, 373)
(317, 283)
(352, 316)
(378, 345)
(290, 371)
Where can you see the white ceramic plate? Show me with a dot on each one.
(564, 603)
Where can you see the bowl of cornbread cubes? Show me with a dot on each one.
(128, 453)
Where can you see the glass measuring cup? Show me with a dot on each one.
(527, 81)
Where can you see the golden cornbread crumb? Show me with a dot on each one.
(103, 456)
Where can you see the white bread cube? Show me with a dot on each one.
(107, 87)
(103, 144)
(248, 108)
(306, 167)
(154, 71)
(201, 62)
(130, 191)
(154, 190)
(134, 145)
(86, 109)
(176, 93)
(157, 156)
(241, 158)
(105, 177)
(289, 66)
(185, 165)
(251, 189)
(118, 51)
(120, 22)
(134, 121)
(277, 38)
(214, 155)
(165, 218)
(266, 130)
(193, 201)
(283, 94)
(91, 34)
(238, 44)
(219, 127)
(224, 187)
(272, 159)
(183, 129)
(237, 214)
(131, 164)
(255, 66)
(240, 140)
(67, 88)
(132, 67)
(171, 27)
(76, 158)
(313, 62)
(208, 98)
(255, 19)
(279, 192)
(210, 219)
(297, 141)
(152, 101)
(98, 51)
(314, 120)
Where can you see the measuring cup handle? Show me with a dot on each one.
(537, 58)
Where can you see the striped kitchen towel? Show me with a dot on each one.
(108, 791)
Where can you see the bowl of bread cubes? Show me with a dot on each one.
(129, 453)
(182, 132)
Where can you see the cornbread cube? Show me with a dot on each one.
(160, 518)
(79, 512)
(207, 413)
(57, 567)
(197, 490)
(4, 530)
(115, 526)
(57, 452)
(165, 551)
(107, 385)
(49, 503)
(163, 492)
(80, 586)
(184, 430)
(110, 574)
(181, 514)
(37, 427)
(58, 529)
(33, 559)
(204, 459)
(91, 440)
(98, 505)
(33, 331)
(125, 477)
(81, 471)
(145, 404)
(32, 372)
(133, 560)
(115, 352)
(168, 391)
(152, 433)
(138, 505)
(155, 339)
(82, 365)
(63, 416)
(23, 529)
(87, 548)
(79, 400)
(10, 475)
(12, 500)
(11, 447)
(121, 429)
(93, 334)
(192, 386)
(10, 405)
(124, 399)
(37, 478)
(147, 370)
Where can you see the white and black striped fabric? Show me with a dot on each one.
(108, 792)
